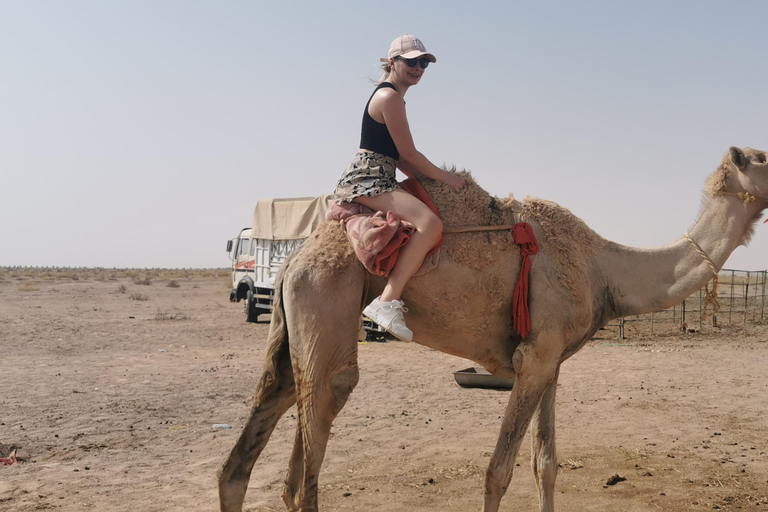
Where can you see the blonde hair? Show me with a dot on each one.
(385, 71)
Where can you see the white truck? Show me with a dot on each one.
(279, 227)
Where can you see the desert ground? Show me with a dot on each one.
(111, 382)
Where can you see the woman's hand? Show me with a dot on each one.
(454, 181)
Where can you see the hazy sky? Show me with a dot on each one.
(141, 133)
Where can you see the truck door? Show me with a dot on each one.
(243, 263)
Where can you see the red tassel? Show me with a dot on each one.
(524, 237)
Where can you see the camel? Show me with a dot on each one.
(579, 281)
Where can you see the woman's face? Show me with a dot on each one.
(409, 75)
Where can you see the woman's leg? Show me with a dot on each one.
(429, 228)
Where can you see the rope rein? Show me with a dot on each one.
(471, 229)
(711, 295)
(745, 197)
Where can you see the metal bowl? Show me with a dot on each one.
(481, 378)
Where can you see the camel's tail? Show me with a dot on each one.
(275, 394)
(277, 373)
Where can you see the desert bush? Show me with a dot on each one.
(138, 296)
(28, 286)
(122, 288)
(145, 282)
(173, 284)
(164, 314)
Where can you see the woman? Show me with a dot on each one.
(385, 144)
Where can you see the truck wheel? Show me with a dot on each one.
(251, 313)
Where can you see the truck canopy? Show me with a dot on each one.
(289, 218)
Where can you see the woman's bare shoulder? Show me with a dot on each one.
(386, 93)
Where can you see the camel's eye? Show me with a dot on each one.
(760, 158)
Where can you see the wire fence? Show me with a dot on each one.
(742, 298)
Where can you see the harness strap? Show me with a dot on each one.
(471, 229)
(523, 235)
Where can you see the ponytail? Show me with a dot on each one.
(385, 71)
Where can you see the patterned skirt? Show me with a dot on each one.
(369, 174)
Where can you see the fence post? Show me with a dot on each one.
(682, 314)
(757, 299)
(762, 307)
(730, 305)
(700, 311)
(746, 299)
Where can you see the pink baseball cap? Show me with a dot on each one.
(408, 47)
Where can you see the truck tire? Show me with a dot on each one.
(251, 313)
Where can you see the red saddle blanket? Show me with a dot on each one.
(377, 237)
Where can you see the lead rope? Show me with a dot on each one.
(745, 197)
(711, 295)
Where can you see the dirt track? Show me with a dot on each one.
(111, 402)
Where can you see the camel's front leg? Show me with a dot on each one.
(543, 451)
(533, 373)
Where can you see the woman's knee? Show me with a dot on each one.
(432, 226)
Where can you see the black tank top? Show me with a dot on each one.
(375, 136)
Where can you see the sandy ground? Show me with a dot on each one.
(111, 403)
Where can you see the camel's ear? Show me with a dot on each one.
(738, 158)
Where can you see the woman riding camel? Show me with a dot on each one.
(386, 144)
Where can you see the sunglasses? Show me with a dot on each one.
(411, 63)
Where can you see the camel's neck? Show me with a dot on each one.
(645, 280)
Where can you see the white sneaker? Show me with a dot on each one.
(389, 315)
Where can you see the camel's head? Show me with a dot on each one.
(751, 171)
(742, 170)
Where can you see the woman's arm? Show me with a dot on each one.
(392, 108)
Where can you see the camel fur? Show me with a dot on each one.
(579, 281)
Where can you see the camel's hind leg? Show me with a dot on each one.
(323, 313)
(533, 374)
(543, 451)
(274, 395)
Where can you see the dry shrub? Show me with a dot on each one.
(173, 284)
(103, 275)
(28, 286)
(122, 289)
(138, 296)
(145, 282)
(163, 314)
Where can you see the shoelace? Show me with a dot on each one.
(399, 305)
